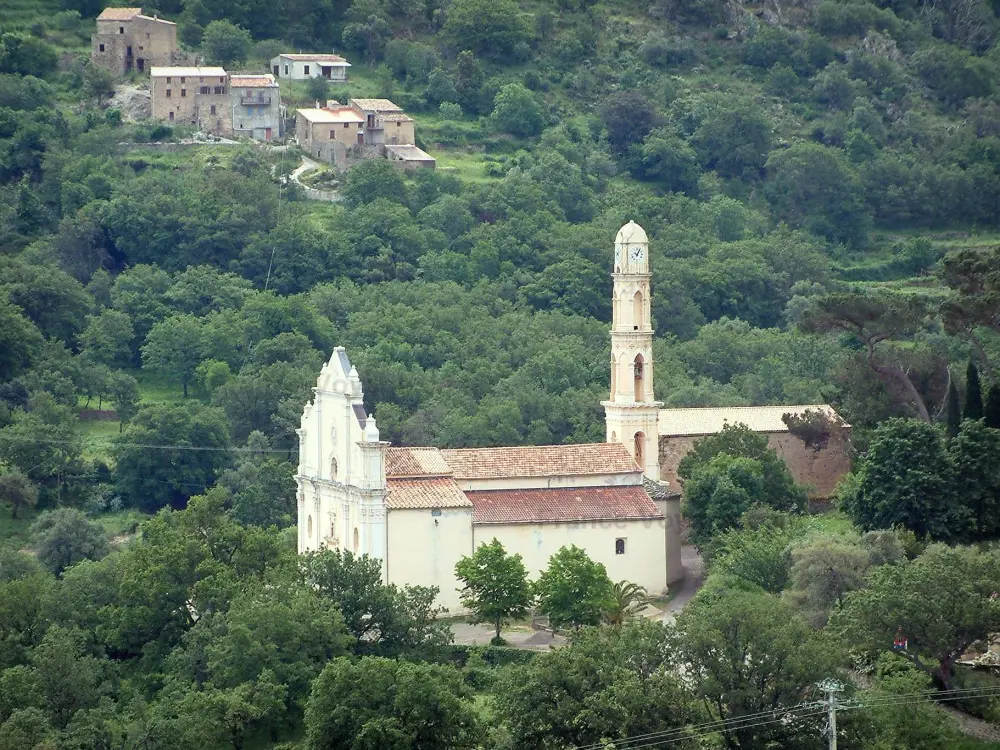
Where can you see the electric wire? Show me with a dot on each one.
(810, 709)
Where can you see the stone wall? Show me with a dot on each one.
(817, 470)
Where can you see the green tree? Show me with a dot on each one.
(395, 705)
(381, 617)
(516, 111)
(170, 452)
(495, 585)
(65, 536)
(175, 347)
(123, 392)
(666, 158)
(942, 602)
(991, 410)
(823, 571)
(609, 684)
(17, 492)
(747, 653)
(224, 43)
(973, 393)
(907, 479)
(628, 118)
(20, 340)
(574, 590)
(975, 455)
(759, 555)
(733, 139)
(107, 339)
(953, 410)
(318, 89)
(68, 678)
(629, 600)
(371, 180)
(816, 188)
(489, 28)
(98, 82)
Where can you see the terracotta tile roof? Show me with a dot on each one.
(540, 461)
(316, 58)
(397, 117)
(565, 504)
(659, 490)
(159, 71)
(119, 14)
(709, 420)
(344, 114)
(415, 462)
(436, 492)
(251, 80)
(375, 105)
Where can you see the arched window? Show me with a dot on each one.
(640, 444)
(614, 376)
(333, 467)
(637, 311)
(640, 378)
(614, 437)
(357, 539)
(309, 526)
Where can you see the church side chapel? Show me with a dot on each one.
(421, 509)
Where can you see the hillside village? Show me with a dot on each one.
(495, 374)
(226, 104)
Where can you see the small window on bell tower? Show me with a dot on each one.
(640, 440)
(640, 379)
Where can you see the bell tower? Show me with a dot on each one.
(632, 412)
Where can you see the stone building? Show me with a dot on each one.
(255, 103)
(363, 129)
(301, 67)
(194, 96)
(127, 39)
(817, 467)
(419, 510)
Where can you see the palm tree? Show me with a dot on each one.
(629, 600)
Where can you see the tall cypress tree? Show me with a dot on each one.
(973, 393)
(991, 413)
(954, 415)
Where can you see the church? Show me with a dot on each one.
(421, 509)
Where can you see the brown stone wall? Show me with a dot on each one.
(819, 471)
(153, 41)
(219, 122)
(400, 134)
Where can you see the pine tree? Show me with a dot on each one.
(992, 411)
(973, 393)
(954, 415)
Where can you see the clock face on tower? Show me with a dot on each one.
(636, 254)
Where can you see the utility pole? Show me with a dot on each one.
(831, 688)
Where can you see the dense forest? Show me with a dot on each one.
(820, 181)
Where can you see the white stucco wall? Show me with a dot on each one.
(296, 69)
(424, 548)
(644, 561)
(550, 482)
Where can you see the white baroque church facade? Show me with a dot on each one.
(420, 510)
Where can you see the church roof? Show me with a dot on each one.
(433, 492)
(415, 462)
(562, 505)
(710, 420)
(540, 461)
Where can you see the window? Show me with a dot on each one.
(357, 539)
(171, 117)
(141, 48)
(101, 46)
(184, 92)
(309, 526)
(168, 79)
(249, 111)
(398, 124)
(640, 380)
(619, 546)
(333, 135)
(204, 90)
(201, 79)
(213, 109)
(306, 69)
(168, 93)
(220, 89)
(286, 70)
(121, 29)
(347, 124)
(182, 79)
(640, 442)
(221, 79)
(435, 512)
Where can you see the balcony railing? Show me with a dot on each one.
(255, 101)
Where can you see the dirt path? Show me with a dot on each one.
(694, 577)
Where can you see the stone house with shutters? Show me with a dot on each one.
(193, 96)
(255, 105)
(126, 39)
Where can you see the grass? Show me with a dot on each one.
(14, 531)
(98, 435)
(155, 389)
(834, 522)
(469, 167)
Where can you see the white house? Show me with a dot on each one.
(300, 67)
(421, 509)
